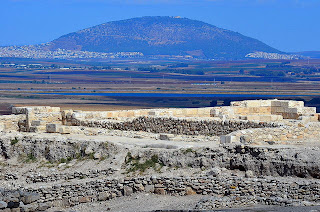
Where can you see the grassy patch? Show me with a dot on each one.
(136, 165)
(186, 151)
(66, 160)
(30, 158)
(14, 141)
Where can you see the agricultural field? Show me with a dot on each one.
(130, 84)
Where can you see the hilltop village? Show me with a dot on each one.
(254, 152)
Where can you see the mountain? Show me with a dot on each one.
(155, 36)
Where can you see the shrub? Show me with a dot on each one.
(14, 141)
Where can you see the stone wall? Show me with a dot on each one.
(299, 132)
(243, 191)
(266, 110)
(120, 114)
(10, 122)
(174, 125)
(36, 118)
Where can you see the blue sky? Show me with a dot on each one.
(288, 25)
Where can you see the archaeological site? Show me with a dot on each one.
(254, 152)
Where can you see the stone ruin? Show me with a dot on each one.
(239, 122)
(266, 111)
(248, 122)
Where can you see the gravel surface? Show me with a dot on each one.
(151, 202)
(138, 202)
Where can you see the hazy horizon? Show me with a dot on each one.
(287, 25)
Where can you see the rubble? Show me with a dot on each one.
(252, 152)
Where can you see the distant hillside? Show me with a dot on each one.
(162, 36)
(310, 54)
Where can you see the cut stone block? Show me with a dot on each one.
(152, 113)
(64, 130)
(18, 110)
(53, 128)
(253, 103)
(35, 123)
(226, 139)
(166, 137)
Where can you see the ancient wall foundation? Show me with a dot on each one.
(243, 191)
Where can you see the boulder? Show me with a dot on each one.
(28, 198)
(127, 191)
(149, 188)
(103, 196)
(3, 204)
(52, 128)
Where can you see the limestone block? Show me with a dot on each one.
(245, 139)
(277, 110)
(45, 109)
(308, 110)
(253, 103)
(53, 128)
(110, 114)
(276, 118)
(228, 111)
(191, 112)
(152, 113)
(84, 199)
(177, 112)
(35, 123)
(144, 113)
(254, 110)
(103, 196)
(65, 113)
(165, 113)
(253, 118)
(136, 113)
(3, 205)
(130, 113)
(284, 103)
(127, 191)
(28, 197)
(122, 114)
(296, 104)
(237, 104)
(51, 117)
(206, 111)
(64, 130)
(226, 139)
(306, 119)
(290, 115)
(190, 191)
(90, 115)
(264, 110)
(266, 103)
(275, 103)
(2, 127)
(214, 112)
(241, 110)
(290, 110)
(265, 118)
(160, 191)
(18, 110)
(53, 109)
(166, 137)
(77, 115)
(149, 188)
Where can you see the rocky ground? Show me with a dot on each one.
(151, 202)
(103, 170)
